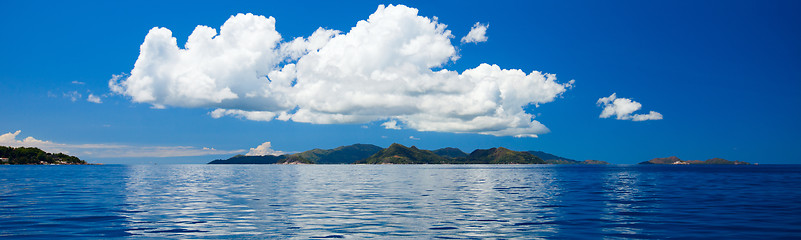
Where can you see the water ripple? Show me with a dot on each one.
(414, 201)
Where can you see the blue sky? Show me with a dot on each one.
(724, 75)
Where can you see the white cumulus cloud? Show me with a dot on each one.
(391, 124)
(379, 70)
(109, 150)
(11, 140)
(623, 109)
(477, 34)
(249, 115)
(264, 149)
(94, 99)
(211, 69)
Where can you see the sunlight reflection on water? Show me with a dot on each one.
(398, 201)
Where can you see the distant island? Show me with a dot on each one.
(399, 154)
(675, 160)
(35, 156)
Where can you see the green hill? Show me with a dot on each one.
(450, 152)
(294, 159)
(34, 156)
(502, 155)
(399, 154)
(266, 159)
(340, 155)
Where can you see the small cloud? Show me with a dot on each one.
(477, 34)
(623, 109)
(391, 124)
(11, 139)
(264, 149)
(93, 98)
(249, 115)
(114, 83)
(365, 126)
(78, 83)
(413, 138)
(73, 95)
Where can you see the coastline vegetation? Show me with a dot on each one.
(35, 156)
(399, 154)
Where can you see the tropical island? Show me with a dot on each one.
(676, 161)
(400, 154)
(35, 156)
(366, 154)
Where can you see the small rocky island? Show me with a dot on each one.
(35, 156)
(399, 154)
(676, 161)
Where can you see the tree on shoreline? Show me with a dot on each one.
(33, 156)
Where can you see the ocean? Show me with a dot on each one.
(401, 201)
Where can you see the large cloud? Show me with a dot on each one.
(380, 70)
(109, 150)
(624, 108)
(211, 69)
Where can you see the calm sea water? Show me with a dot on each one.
(400, 201)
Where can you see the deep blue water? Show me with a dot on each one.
(400, 201)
